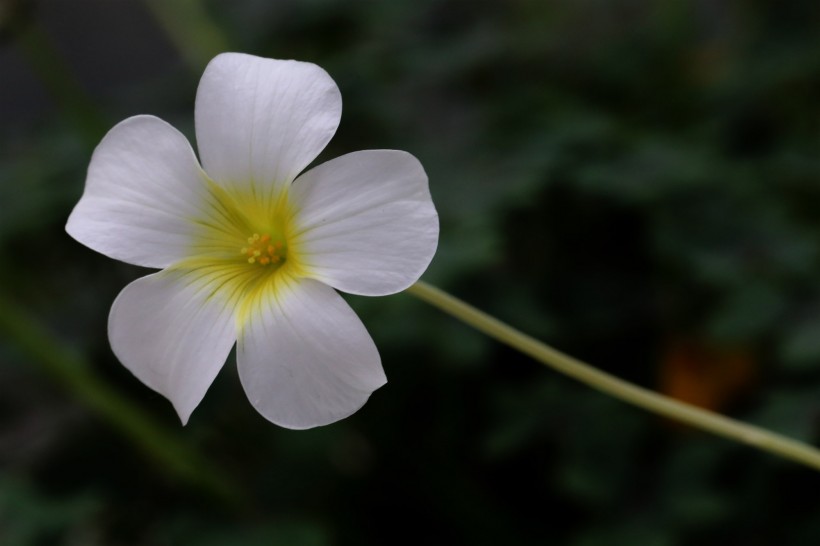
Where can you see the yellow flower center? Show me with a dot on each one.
(245, 243)
(264, 250)
(246, 246)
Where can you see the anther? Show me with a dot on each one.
(262, 249)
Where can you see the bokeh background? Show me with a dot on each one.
(635, 182)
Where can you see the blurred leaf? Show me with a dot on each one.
(800, 349)
(29, 517)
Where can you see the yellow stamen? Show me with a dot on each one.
(264, 250)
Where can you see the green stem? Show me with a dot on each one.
(618, 388)
(75, 374)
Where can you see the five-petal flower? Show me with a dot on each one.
(250, 251)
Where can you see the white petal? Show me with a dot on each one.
(173, 335)
(366, 222)
(262, 121)
(304, 357)
(143, 184)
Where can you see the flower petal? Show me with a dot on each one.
(262, 121)
(174, 335)
(143, 184)
(304, 357)
(366, 223)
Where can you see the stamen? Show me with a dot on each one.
(263, 250)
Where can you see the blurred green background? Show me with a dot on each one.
(635, 182)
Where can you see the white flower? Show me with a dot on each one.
(249, 252)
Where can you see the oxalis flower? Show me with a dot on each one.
(250, 251)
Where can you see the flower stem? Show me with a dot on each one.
(618, 388)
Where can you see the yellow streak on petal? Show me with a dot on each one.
(245, 248)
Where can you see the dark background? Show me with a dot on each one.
(635, 182)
